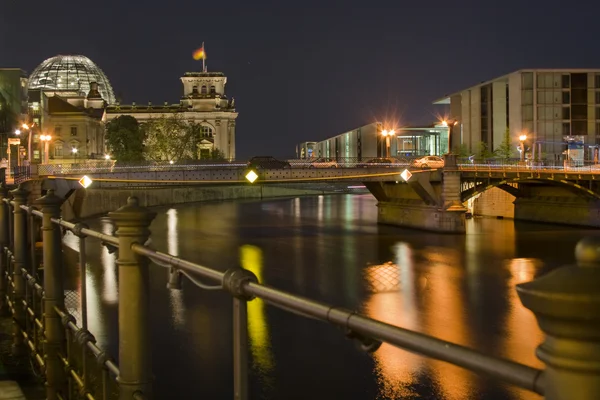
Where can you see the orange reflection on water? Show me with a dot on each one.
(521, 347)
(445, 318)
(396, 369)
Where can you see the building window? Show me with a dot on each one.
(566, 81)
(57, 131)
(58, 149)
(203, 90)
(598, 113)
(597, 81)
(207, 131)
(73, 131)
(195, 90)
(598, 97)
(566, 97)
(566, 113)
(566, 128)
(212, 90)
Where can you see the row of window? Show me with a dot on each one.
(58, 131)
(203, 90)
(558, 112)
(559, 80)
(71, 150)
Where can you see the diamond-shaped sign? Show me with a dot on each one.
(85, 181)
(406, 174)
(251, 176)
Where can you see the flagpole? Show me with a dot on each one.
(203, 58)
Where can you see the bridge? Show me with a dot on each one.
(431, 199)
(566, 303)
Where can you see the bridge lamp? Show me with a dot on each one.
(523, 138)
(406, 174)
(386, 134)
(251, 176)
(46, 139)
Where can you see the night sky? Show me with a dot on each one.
(305, 70)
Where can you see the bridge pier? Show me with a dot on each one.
(429, 200)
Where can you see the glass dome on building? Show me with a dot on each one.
(72, 73)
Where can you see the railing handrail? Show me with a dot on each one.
(512, 372)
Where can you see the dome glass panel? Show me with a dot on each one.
(71, 73)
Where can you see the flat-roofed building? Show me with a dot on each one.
(549, 106)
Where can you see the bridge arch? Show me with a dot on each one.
(505, 184)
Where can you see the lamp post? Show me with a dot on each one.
(18, 132)
(74, 150)
(522, 139)
(386, 134)
(46, 140)
(450, 124)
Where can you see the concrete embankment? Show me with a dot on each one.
(85, 203)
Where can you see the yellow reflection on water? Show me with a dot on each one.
(110, 292)
(396, 369)
(251, 258)
(178, 309)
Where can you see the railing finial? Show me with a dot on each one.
(566, 303)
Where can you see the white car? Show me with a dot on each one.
(429, 162)
(323, 163)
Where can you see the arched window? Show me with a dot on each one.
(212, 90)
(58, 149)
(195, 90)
(203, 89)
(206, 131)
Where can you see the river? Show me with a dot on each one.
(459, 288)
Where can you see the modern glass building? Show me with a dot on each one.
(71, 73)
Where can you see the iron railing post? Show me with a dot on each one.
(566, 303)
(233, 281)
(4, 234)
(132, 222)
(53, 294)
(82, 271)
(20, 253)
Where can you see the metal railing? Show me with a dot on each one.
(74, 367)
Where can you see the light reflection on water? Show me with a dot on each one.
(458, 288)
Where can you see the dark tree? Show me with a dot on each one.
(125, 139)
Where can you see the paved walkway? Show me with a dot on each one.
(17, 382)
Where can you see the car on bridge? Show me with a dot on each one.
(387, 162)
(323, 162)
(267, 162)
(428, 162)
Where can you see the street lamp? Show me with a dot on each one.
(46, 139)
(74, 151)
(386, 134)
(522, 139)
(107, 156)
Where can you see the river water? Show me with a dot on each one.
(459, 288)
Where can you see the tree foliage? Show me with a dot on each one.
(125, 139)
(217, 154)
(484, 152)
(8, 117)
(505, 150)
(171, 138)
(463, 151)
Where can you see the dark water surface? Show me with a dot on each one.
(458, 288)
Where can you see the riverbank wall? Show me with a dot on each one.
(86, 203)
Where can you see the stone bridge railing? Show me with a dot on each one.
(565, 301)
